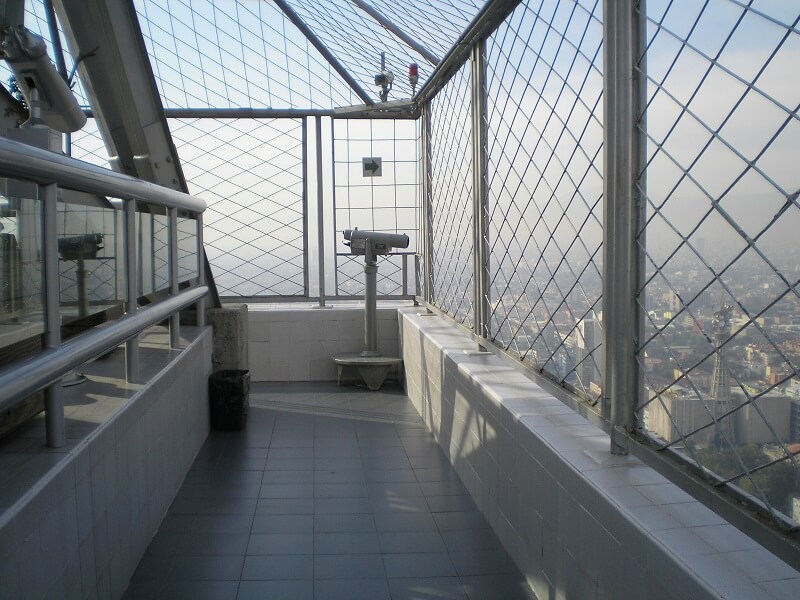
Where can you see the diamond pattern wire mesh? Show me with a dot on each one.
(387, 203)
(451, 198)
(720, 353)
(249, 172)
(357, 41)
(234, 54)
(437, 24)
(545, 132)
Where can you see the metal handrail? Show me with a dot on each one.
(20, 380)
(18, 160)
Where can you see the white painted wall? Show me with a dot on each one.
(296, 344)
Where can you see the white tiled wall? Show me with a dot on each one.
(296, 344)
(579, 522)
(81, 532)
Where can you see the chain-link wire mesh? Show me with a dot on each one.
(437, 24)
(451, 198)
(545, 187)
(357, 40)
(384, 200)
(720, 351)
(250, 173)
(236, 54)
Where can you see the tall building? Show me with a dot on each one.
(720, 393)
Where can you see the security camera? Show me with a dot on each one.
(26, 55)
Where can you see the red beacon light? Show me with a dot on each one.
(413, 76)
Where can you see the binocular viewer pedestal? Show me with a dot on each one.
(372, 367)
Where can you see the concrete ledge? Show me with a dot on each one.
(80, 530)
(578, 521)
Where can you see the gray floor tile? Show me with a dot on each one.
(348, 566)
(289, 464)
(482, 562)
(285, 506)
(287, 490)
(200, 590)
(281, 543)
(346, 543)
(206, 568)
(276, 453)
(460, 520)
(340, 490)
(394, 489)
(462, 540)
(439, 504)
(261, 568)
(283, 524)
(351, 589)
(452, 487)
(343, 523)
(418, 565)
(400, 521)
(211, 543)
(404, 504)
(276, 590)
(395, 542)
(427, 588)
(391, 475)
(324, 506)
(339, 476)
(497, 587)
(287, 477)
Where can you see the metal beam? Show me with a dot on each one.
(622, 208)
(390, 26)
(480, 228)
(323, 50)
(485, 22)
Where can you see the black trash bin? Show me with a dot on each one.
(228, 393)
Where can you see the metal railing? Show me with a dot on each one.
(48, 174)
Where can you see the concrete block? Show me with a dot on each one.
(230, 327)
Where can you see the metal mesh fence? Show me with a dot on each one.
(236, 54)
(720, 353)
(545, 134)
(250, 173)
(385, 200)
(450, 160)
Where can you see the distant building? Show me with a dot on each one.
(588, 353)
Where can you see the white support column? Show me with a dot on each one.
(201, 272)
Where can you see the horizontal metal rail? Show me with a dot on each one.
(20, 380)
(21, 161)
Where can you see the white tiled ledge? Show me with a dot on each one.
(579, 522)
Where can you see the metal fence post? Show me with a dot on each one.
(304, 136)
(53, 401)
(480, 261)
(174, 320)
(201, 272)
(622, 88)
(131, 290)
(320, 214)
(427, 213)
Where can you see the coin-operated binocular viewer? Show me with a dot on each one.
(370, 245)
(81, 248)
(372, 366)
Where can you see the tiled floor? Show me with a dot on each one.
(329, 493)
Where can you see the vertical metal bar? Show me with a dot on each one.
(201, 272)
(405, 274)
(427, 225)
(479, 191)
(304, 134)
(53, 402)
(131, 290)
(335, 224)
(174, 320)
(621, 209)
(320, 213)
